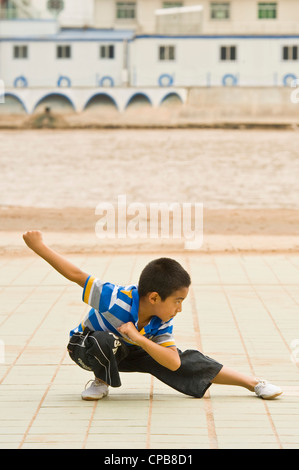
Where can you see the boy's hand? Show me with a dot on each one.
(33, 239)
(167, 357)
(129, 330)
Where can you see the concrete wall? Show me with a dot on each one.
(259, 102)
(243, 18)
(80, 97)
(197, 103)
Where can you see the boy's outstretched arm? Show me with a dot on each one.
(34, 240)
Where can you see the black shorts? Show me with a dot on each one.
(106, 355)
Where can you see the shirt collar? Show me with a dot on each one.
(135, 304)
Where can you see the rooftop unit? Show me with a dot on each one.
(179, 20)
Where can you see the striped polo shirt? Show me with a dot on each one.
(113, 305)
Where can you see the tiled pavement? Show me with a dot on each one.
(243, 310)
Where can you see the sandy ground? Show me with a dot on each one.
(172, 117)
(225, 222)
(45, 172)
(225, 231)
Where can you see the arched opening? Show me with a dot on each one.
(100, 102)
(12, 105)
(56, 103)
(172, 99)
(138, 100)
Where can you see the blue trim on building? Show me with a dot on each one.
(23, 80)
(18, 99)
(229, 76)
(171, 93)
(218, 36)
(167, 76)
(287, 77)
(64, 78)
(92, 35)
(106, 77)
(138, 94)
(54, 93)
(76, 36)
(100, 94)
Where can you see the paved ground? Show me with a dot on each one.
(243, 310)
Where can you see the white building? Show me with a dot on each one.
(36, 53)
(217, 17)
(101, 44)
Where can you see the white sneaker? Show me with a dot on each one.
(96, 391)
(266, 390)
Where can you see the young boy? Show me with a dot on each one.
(130, 329)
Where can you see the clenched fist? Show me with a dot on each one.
(129, 330)
(33, 239)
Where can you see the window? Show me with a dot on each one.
(55, 6)
(172, 4)
(20, 52)
(63, 52)
(290, 53)
(228, 53)
(8, 11)
(126, 10)
(267, 10)
(166, 53)
(107, 51)
(220, 11)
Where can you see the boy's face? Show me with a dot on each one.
(168, 308)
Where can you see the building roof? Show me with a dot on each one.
(91, 34)
(80, 34)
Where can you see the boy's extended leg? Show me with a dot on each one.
(228, 376)
(196, 374)
(262, 389)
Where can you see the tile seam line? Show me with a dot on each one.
(30, 262)
(31, 336)
(41, 401)
(292, 262)
(212, 434)
(150, 410)
(26, 296)
(265, 306)
(56, 371)
(151, 392)
(252, 370)
(95, 403)
(89, 424)
(280, 282)
(274, 430)
(105, 268)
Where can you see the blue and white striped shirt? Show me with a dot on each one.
(113, 305)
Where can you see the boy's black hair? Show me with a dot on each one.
(164, 276)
